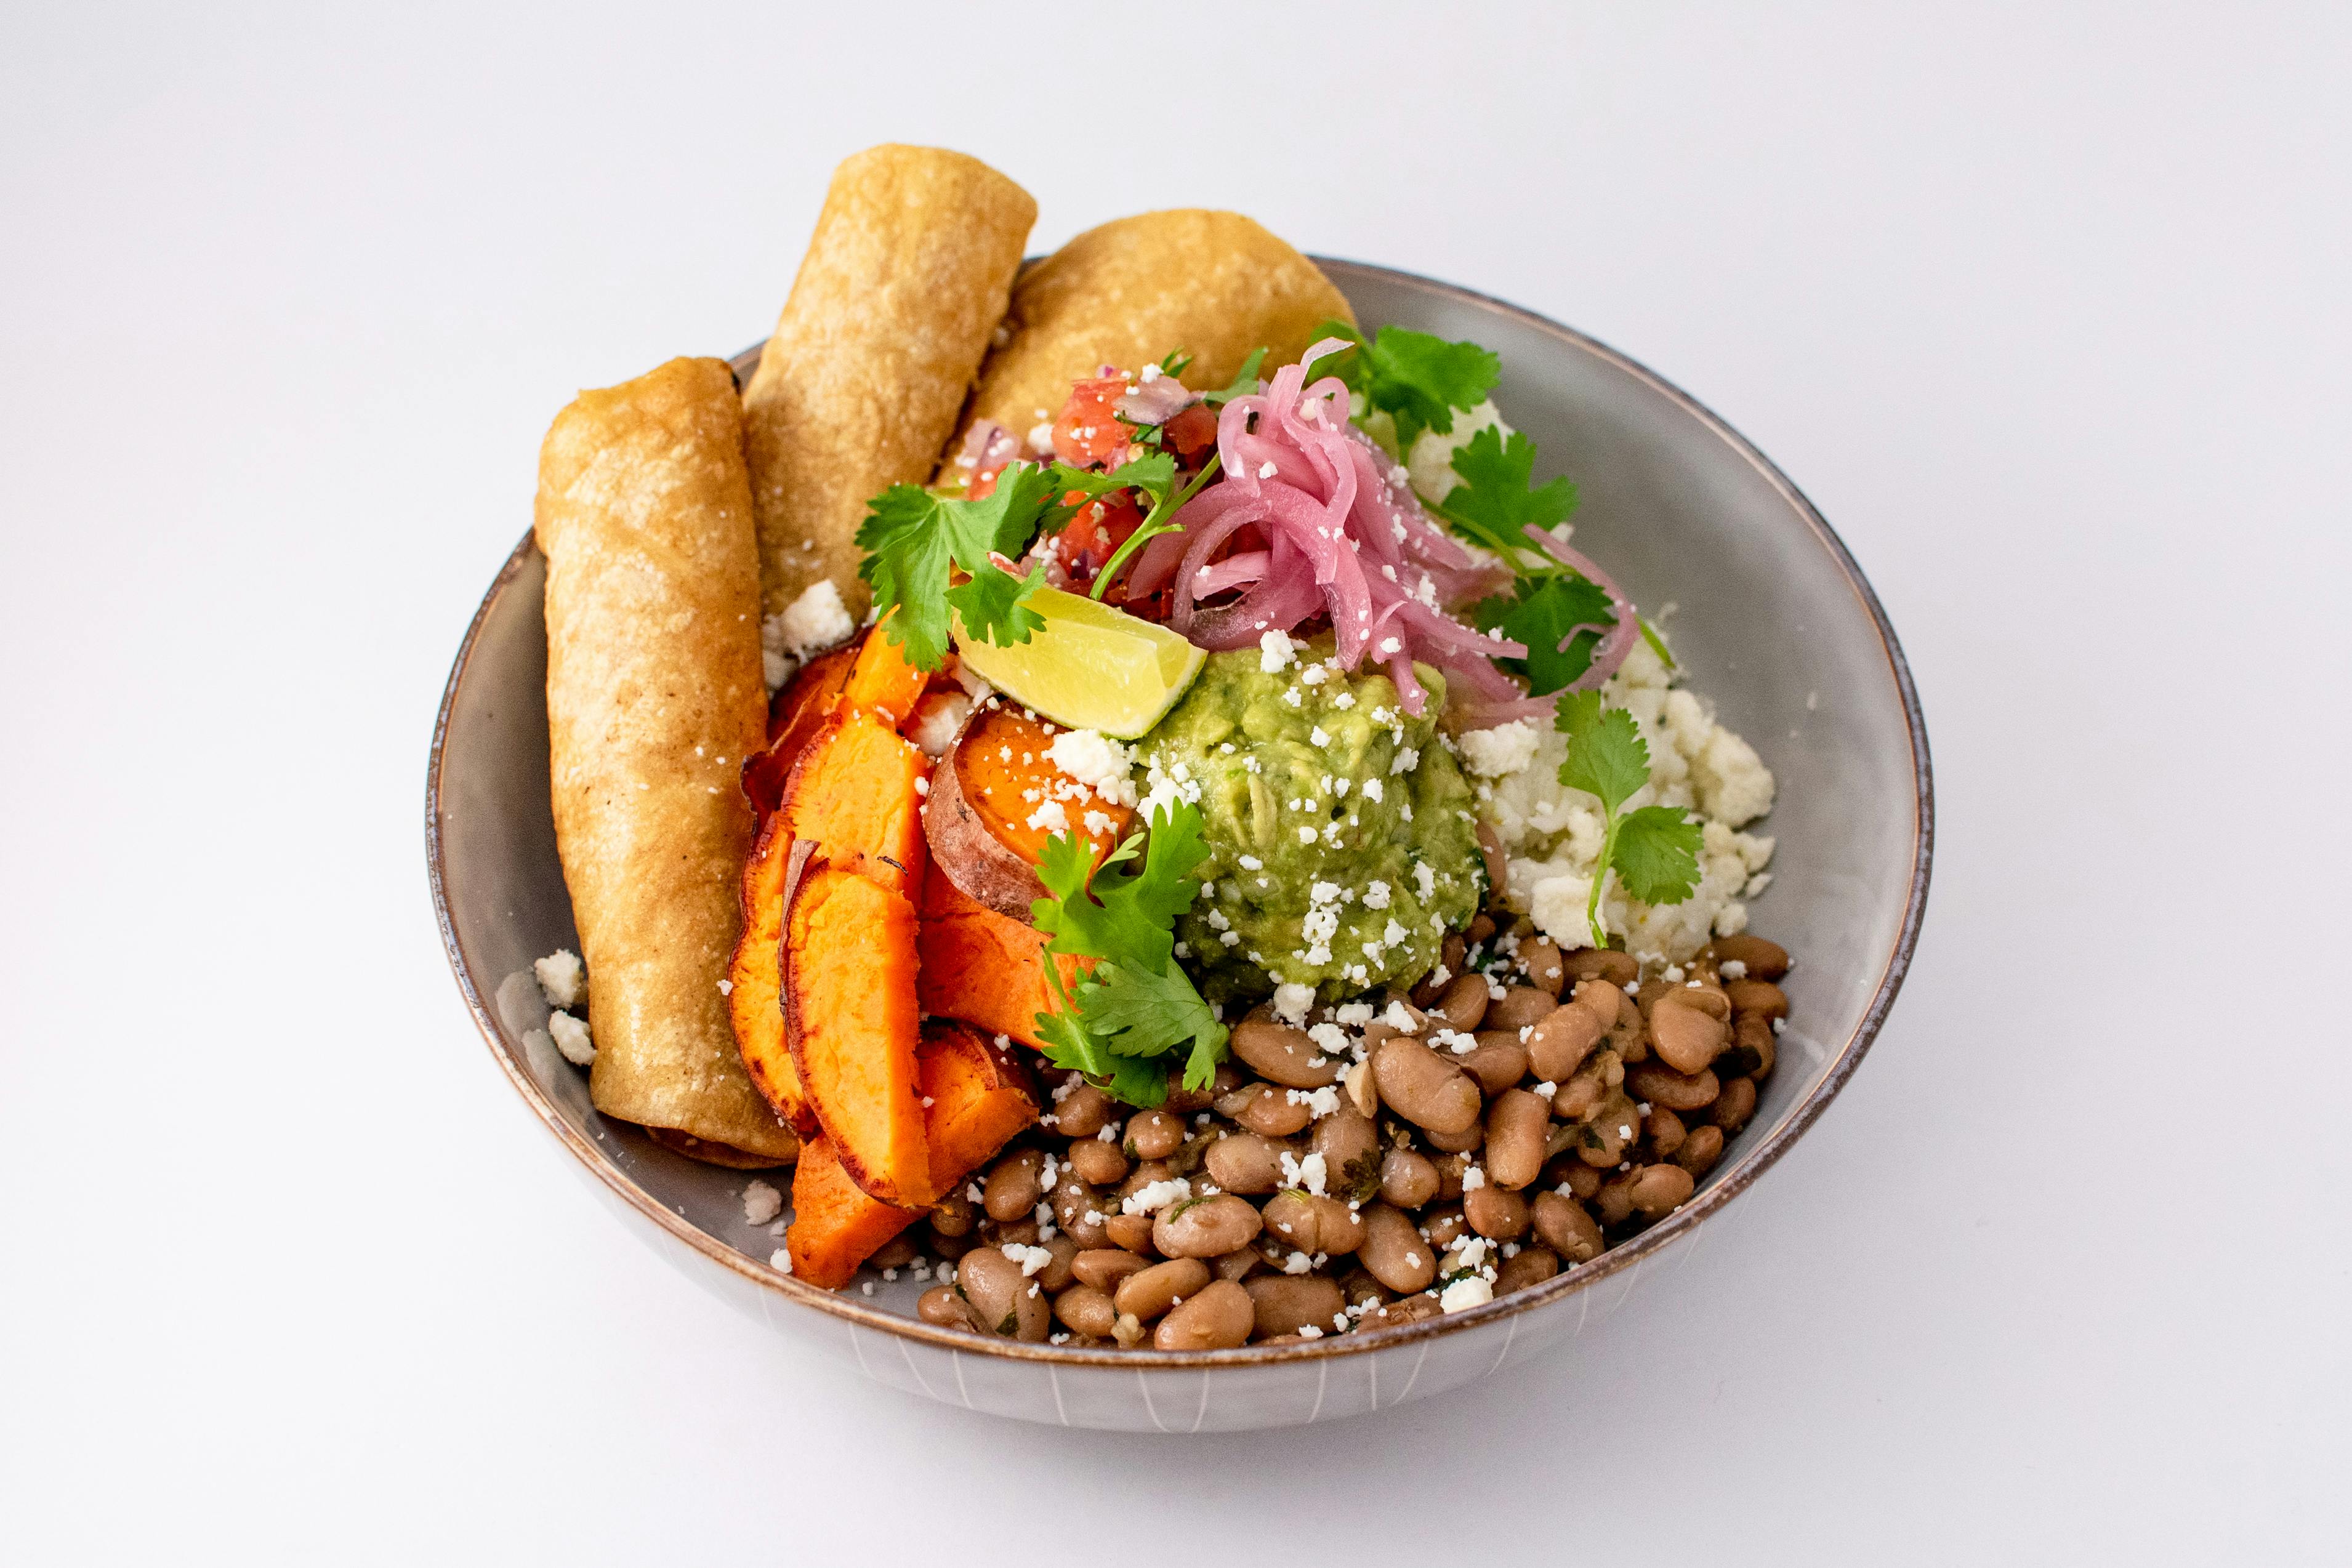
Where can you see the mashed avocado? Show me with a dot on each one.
(1341, 848)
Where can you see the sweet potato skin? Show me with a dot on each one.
(857, 792)
(835, 1226)
(756, 978)
(794, 717)
(982, 796)
(851, 1023)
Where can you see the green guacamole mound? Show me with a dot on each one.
(1341, 848)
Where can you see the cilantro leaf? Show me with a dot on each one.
(1417, 378)
(1137, 1006)
(992, 605)
(1495, 501)
(1657, 854)
(915, 541)
(1653, 851)
(1244, 383)
(1559, 616)
(1606, 754)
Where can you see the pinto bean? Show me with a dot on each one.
(1601, 964)
(953, 1215)
(1056, 1275)
(1005, 1302)
(1362, 1091)
(1731, 1110)
(1284, 1055)
(1078, 1211)
(1236, 1266)
(1395, 1250)
(1529, 1266)
(1761, 998)
(1205, 1227)
(1350, 1147)
(1463, 1002)
(1662, 1086)
(1305, 1222)
(1539, 960)
(1580, 1180)
(1096, 1162)
(1764, 960)
(1154, 1134)
(1244, 1162)
(1566, 1227)
(1012, 1233)
(1450, 1169)
(1424, 1088)
(1518, 1007)
(943, 1308)
(1495, 1213)
(1408, 1179)
(1285, 1304)
(1610, 1133)
(1752, 1050)
(1133, 1231)
(895, 1253)
(1700, 1150)
(1589, 1087)
(1515, 1137)
(1658, 1190)
(1264, 1109)
(1462, 1142)
(1362, 1290)
(1615, 1204)
(1104, 1266)
(1087, 1309)
(1497, 1061)
(1083, 1112)
(1444, 1227)
(1416, 1308)
(1561, 1040)
(1144, 1296)
(1665, 1130)
(1219, 1318)
(1686, 1031)
(1015, 1185)
(1490, 853)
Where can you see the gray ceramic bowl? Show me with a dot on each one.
(1775, 622)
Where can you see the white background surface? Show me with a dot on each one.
(2047, 313)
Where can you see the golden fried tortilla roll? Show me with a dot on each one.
(904, 283)
(654, 699)
(1216, 285)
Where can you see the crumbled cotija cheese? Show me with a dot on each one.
(560, 976)
(570, 1037)
(1499, 752)
(762, 1203)
(817, 620)
(1099, 763)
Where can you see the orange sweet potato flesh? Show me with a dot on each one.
(984, 967)
(798, 712)
(835, 1227)
(998, 785)
(978, 1099)
(851, 1023)
(854, 793)
(756, 977)
(884, 679)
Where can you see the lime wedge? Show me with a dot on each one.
(1089, 667)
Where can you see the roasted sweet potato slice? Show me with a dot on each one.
(794, 716)
(756, 980)
(883, 678)
(984, 967)
(856, 793)
(978, 1096)
(998, 801)
(851, 1023)
(835, 1226)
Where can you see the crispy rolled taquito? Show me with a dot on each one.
(1216, 285)
(654, 699)
(905, 281)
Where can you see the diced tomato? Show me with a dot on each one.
(1094, 535)
(1087, 432)
(1193, 429)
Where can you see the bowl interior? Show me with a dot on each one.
(1769, 618)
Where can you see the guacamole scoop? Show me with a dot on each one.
(1340, 843)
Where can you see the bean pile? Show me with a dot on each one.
(1517, 1113)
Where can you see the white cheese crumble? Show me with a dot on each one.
(1464, 1293)
(1274, 653)
(815, 620)
(560, 977)
(1031, 1258)
(1099, 763)
(781, 1261)
(1153, 1197)
(1291, 1002)
(1499, 752)
(936, 721)
(570, 1037)
(762, 1203)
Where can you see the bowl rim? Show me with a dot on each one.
(1630, 1254)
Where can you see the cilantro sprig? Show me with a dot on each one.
(1119, 1024)
(1418, 379)
(1560, 614)
(1654, 849)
